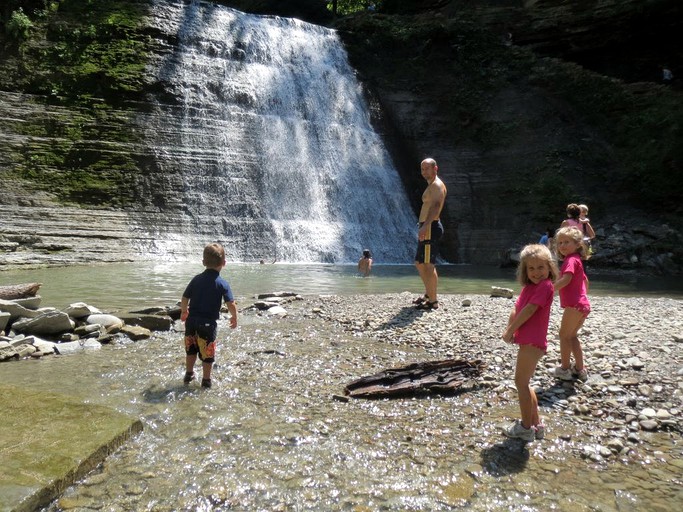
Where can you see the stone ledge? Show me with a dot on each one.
(50, 441)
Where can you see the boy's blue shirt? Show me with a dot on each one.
(206, 292)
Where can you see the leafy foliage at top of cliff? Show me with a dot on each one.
(74, 48)
(459, 65)
(88, 58)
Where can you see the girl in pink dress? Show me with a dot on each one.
(573, 288)
(528, 328)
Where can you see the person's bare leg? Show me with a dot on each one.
(429, 278)
(206, 371)
(420, 271)
(190, 360)
(527, 359)
(572, 320)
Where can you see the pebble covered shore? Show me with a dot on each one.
(289, 437)
(633, 349)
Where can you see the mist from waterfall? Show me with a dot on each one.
(279, 157)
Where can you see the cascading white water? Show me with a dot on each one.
(276, 139)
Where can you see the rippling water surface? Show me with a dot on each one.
(271, 436)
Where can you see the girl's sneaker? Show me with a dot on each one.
(581, 375)
(562, 374)
(518, 431)
(189, 377)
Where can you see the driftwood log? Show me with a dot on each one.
(445, 376)
(19, 291)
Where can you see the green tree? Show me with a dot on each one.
(344, 7)
(18, 27)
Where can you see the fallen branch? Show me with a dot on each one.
(19, 291)
(444, 376)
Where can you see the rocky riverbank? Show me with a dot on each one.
(630, 405)
(634, 354)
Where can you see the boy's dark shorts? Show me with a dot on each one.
(200, 338)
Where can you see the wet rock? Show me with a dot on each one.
(636, 363)
(278, 311)
(505, 293)
(4, 319)
(104, 320)
(648, 425)
(84, 330)
(74, 347)
(148, 321)
(17, 310)
(52, 322)
(81, 310)
(136, 332)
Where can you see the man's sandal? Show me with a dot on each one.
(428, 306)
(420, 300)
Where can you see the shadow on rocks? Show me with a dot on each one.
(505, 458)
(403, 318)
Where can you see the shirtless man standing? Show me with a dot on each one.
(429, 233)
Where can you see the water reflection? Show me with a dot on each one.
(126, 285)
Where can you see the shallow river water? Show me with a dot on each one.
(127, 285)
(272, 434)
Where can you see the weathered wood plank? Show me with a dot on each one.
(445, 376)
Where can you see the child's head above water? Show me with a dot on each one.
(214, 256)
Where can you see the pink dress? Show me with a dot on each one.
(535, 330)
(574, 294)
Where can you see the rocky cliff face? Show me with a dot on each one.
(513, 143)
(512, 149)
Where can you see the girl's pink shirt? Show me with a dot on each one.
(574, 294)
(535, 330)
(573, 223)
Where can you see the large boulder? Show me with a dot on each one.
(16, 310)
(136, 333)
(151, 322)
(29, 302)
(106, 321)
(81, 310)
(4, 318)
(51, 322)
(7, 351)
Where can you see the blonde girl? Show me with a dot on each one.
(573, 288)
(528, 328)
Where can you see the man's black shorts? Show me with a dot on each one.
(428, 249)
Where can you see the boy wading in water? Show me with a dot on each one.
(429, 233)
(200, 308)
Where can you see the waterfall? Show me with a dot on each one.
(268, 137)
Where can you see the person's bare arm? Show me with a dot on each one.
(590, 233)
(519, 319)
(562, 281)
(232, 308)
(184, 311)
